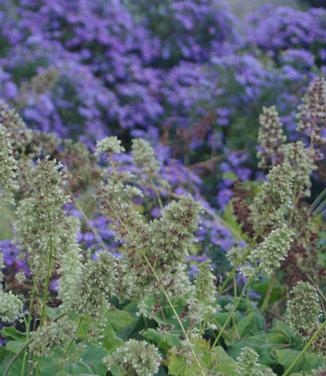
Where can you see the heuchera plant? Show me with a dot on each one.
(128, 305)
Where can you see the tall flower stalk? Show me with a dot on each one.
(154, 248)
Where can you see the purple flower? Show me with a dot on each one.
(10, 252)
(223, 197)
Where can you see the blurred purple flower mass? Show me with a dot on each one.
(189, 75)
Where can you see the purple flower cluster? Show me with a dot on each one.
(129, 65)
(232, 170)
(11, 257)
(189, 31)
(277, 30)
(111, 64)
(178, 71)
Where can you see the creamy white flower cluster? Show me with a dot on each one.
(286, 184)
(304, 314)
(267, 256)
(52, 335)
(134, 358)
(41, 223)
(301, 164)
(20, 136)
(203, 303)
(312, 115)
(86, 287)
(275, 210)
(303, 310)
(71, 269)
(8, 167)
(11, 307)
(162, 243)
(289, 179)
(271, 137)
(109, 145)
(248, 364)
(97, 285)
(273, 202)
(144, 157)
(270, 211)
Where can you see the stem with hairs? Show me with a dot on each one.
(235, 306)
(305, 349)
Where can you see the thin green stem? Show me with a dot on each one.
(233, 270)
(305, 349)
(236, 330)
(206, 163)
(157, 194)
(248, 296)
(234, 286)
(235, 306)
(47, 283)
(174, 312)
(15, 357)
(65, 355)
(28, 323)
(202, 329)
(268, 295)
(317, 201)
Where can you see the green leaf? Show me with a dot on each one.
(284, 329)
(5, 358)
(178, 366)
(169, 316)
(223, 362)
(14, 346)
(3, 353)
(79, 368)
(251, 324)
(276, 338)
(259, 344)
(90, 362)
(50, 363)
(163, 341)
(93, 357)
(231, 220)
(131, 307)
(276, 293)
(310, 361)
(83, 327)
(13, 333)
(230, 175)
(173, 339)
(119, 319)
(221, 317)
(116, 371)
(53, 313)
(111, 341)
(65, 373)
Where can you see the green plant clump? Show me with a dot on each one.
(138, 311)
